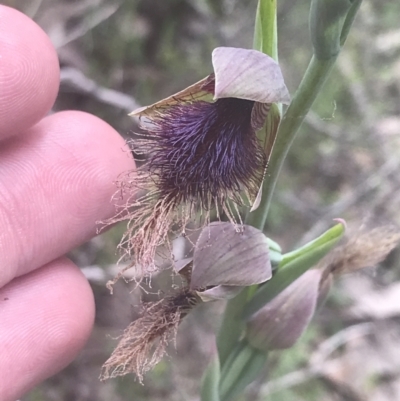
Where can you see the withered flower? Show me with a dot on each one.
(224, 262)
(365, 248)
(202, 151)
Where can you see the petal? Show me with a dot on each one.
(248, 74)
(271, 117)
(257, 200)
(259, 114)
(195, 92)
(219, 292)
(226, 256)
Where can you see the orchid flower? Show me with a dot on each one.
(203, 154)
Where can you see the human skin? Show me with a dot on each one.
(57, 176)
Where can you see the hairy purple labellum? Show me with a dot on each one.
(205, 152)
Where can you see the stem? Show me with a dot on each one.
(232, 326)
(210, 382)
(349, 20)
(315, 76)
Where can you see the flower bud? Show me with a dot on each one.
(280, 323)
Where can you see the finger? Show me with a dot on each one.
(46, 318)
(29, 72)
(56, 182)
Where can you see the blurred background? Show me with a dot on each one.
(118, 54)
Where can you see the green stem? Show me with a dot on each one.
(242, 368)
(232, 326)
(210, 382)
(349, 20)
(310, 86)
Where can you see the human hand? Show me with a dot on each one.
(56, 181)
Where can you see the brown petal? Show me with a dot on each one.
(227, 255)
(192, 93)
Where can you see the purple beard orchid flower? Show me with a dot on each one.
(203, 154)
